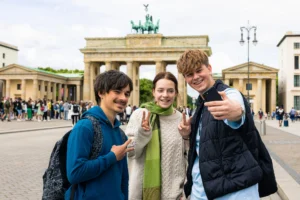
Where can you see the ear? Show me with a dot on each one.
(100, 95)
(209, 68)
(153, 90)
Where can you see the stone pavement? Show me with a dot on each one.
(283, 144)
(23, 126)
(24, 157)
(23, 160)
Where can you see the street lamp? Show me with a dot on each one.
(248, 29)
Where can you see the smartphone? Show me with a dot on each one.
(211, 95)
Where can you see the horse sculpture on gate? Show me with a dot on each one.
(148, 26)
(135, 27)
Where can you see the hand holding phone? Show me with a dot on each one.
(211, 95)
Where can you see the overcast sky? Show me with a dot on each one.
(51, 32)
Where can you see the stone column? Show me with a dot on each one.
(65, 92)
(241, 85)
(227, 82)
(59, 92)
(98, 70)
(49, 96)
(108, 66)
(54, 92)
(180, 97)
(273, 95)
(86, 81)
(130, 75)
(3, 89)
(77, 93)
(136, 84)
(23, 96)
(160, 66)
(8, 88)
(259, 94)
(35, 89)
(92, 80)
(42, 90)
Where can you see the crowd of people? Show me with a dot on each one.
(279, 114)
(41, 110)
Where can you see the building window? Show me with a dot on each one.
(39, 87)
(296, 62)
(51, 89)
(3, 65)
(296, 45)
(46, 88)
(297, 102)
(3, 55)
(296, 80)
(19, 87)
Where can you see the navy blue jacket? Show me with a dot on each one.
(227, 162)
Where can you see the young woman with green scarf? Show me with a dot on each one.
(157, 164)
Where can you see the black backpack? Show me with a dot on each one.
(55, 181)
(75, 108)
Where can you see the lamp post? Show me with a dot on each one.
(248, 29)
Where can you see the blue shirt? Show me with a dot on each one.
(198, 193)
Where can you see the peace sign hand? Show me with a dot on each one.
(184, 127)
(146, 121)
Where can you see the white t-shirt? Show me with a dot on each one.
(128, 110)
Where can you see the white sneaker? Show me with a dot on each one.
(39, 120)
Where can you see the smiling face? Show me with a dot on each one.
(164, 93)
(115, 101)
(201, 79)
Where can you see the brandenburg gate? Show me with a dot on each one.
(133, 51)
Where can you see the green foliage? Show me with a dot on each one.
(189, 101)
(145, 90)
(62, 71)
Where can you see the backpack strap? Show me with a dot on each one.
(96, 147)
(124, 137)
(98, 137)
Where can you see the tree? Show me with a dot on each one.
(145, 90)
(66, 71)
(189, 101)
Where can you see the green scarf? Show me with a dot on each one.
(152, 167)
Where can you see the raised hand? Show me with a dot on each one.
(121, 150)
(146, 121)
(227, 109)
(184, 127)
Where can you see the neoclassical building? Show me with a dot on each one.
(8, 55)
(133, 51)
(26, 82)
(289, 74)
(263, 80)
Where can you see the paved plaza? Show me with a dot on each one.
(24, 156)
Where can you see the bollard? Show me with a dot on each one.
(263, 127)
